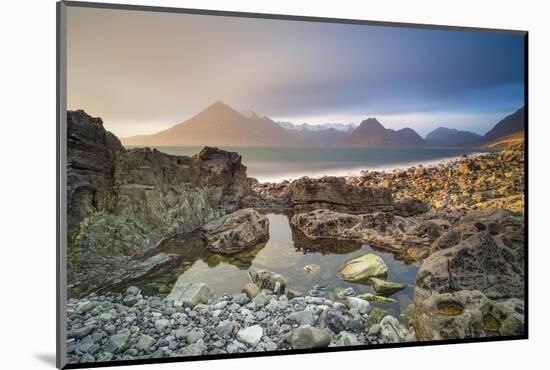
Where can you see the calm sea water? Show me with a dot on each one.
(276, 164)
(228, 274)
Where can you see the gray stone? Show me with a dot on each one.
(251, 290)
(161, 325)
(251, 335)
(308, 337)
(392, 331)
(117, 343)
(302, 317)
(190, 294)
(145, 342)
(194, 349)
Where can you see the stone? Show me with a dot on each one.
(312, 268)
(392, 331)
(385, 287)
(374, 330)
(305, 337)
(251, 335)
(130, 300)
(361, 305)
(251, 290)
(344, 292)
(236, 232)
(161, 325)
(336, 322)
(376, 298)
(302, 317)
(79, 333)
(362, 268)
(241, 299)
(145, 342)
(225, 329)
(194, 335)
(117, 343)
(190, 294)
(265, 279)
(132, 290)
(194, 349)
(347, 339)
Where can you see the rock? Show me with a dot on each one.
(392, 331)
(335, 193)
(130, 300)
(336, 322)
(362, 268)
(251, 290)
(190, 294)
(344, 292)
(241, 299)
(376, 298)
(305, 337)
(385, 287)
(374, 330)
(117, 343)
(145, 342)
(251, 335)
(312, 268)
(347, 339)
(79, 333)
(408, 207)
(132, 290)
(236, 231)
(302, 317)
(225, 329)
(161, 325)
(269, 280)
(361, 305)
(260, 300)
(121, 202)
(194, 349)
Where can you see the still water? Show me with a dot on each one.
(228, 274)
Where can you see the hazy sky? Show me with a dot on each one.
(143, 72)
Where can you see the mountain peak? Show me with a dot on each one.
(372, 122)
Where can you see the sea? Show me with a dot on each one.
(273, 164)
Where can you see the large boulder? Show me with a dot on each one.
(337, 194)
(473, 289)
(236, 231)
(361, 269)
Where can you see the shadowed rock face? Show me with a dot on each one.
(123, 201)
(334, 193)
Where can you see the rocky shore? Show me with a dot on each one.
(130, 326)
(461, 223)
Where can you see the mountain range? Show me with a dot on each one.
(221, 125)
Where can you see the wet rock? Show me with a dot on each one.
(361, 305)
(236, 231)
(385, 287)
(311, 268)
(362, 268)
(376, 298)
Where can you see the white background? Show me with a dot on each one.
(27, 243)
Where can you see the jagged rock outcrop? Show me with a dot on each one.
(123, 201)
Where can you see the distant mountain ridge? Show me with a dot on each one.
(371, 133)
(443, 136)
(220, 125)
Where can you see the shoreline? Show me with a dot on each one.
(352, 172)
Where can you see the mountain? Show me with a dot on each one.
(511, 124)
(443, 136)
(342, 127)
(372, 133)
(219, 125)
(507, 141)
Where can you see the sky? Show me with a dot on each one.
(143, 72)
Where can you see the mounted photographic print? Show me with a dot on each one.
(238, 184)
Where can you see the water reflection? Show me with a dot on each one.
(285, 253)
